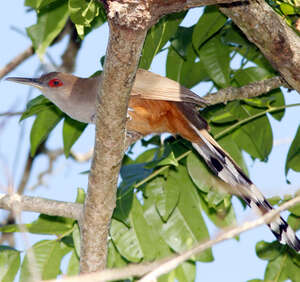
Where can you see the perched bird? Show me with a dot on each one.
(158, 104)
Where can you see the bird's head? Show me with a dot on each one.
(54, 85)
(73, 95)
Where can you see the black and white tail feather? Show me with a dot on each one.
(227, 170)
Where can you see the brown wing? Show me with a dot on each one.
(149, 85)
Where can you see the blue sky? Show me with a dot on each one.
(234, 261)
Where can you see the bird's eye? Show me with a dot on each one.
(55, 82)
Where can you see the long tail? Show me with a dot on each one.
(226, 169)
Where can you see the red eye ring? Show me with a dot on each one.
(55, 82)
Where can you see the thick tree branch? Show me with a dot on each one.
(250, 90)
(16, 61)
(41, 205)
(155, 269)
(121, 63)
(269, 32)
(139, 15)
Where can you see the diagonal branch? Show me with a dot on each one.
(174, 262)
(16, 61)
(154, 269)
(250, 90)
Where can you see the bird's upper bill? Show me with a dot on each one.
(28, 81)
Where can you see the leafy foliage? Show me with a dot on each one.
(283, 264)
(165, 192)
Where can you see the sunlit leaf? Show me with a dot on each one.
(50, 23)
(72, 129)
(209, 23)
(73, 265)
(48, 255)
(42, 126)
(214, 56)
(9, 263)
(293, 157)
(158, 36)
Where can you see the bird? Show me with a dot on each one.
(157, 105)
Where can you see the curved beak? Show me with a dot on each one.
(27, 81)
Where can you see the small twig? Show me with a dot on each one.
(82, 157)
(41, 205)
(10, 114)
(52, 156)
(16, 61)
(157, 268)
(250, 90)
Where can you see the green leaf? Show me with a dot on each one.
(293, 156)
(114, 259)
(181, 60)
(277, 269)
(125, 194)
(133, 173)
(251, 74)
(146, 156)
(278, 100)
(214, 199)
(234, 37)
(287, 9)
(283, 262)
(182, 41)
(186, 272)
(165, 194)
(42, 126)
(210, 22)
(76, 238)
(72, 129)
(73, 265)
(80, 197)
(144, 233)
(158, 36)
(83, 12)
(8, 228)
(38, 4)
(126, 241)
(186, 72)
(268, 251)
(50, 23)
(201, 175)
(48, 255)
(295, 210)
(254, 137)
(164, 156)
(223, 116)
(228, 144)
(47, 224)
(83, 30)
(37, 105)
(141, 241)
(167, 200)
(185, 227)
(294, 222)
(293, 269)
(9, 263)
(214, 55)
